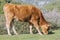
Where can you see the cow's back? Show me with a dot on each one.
(22, 12)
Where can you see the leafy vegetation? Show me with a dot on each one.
(1, 6)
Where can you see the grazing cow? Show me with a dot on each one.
(25, 13)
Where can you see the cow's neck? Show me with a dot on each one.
(42, 20)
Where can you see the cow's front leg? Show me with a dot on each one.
(37, 28)
(31, 29)
(35, 23)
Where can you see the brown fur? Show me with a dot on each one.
(27, 13)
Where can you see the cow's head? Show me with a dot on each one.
(45, 28)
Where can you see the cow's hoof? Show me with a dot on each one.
(40, 33)
(9, 34)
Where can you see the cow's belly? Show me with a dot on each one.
(22, 18)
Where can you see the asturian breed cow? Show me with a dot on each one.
(25, 13)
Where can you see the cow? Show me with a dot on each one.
(25, 13)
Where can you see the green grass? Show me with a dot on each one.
(55, 36)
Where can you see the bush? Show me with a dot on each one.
(21, 27)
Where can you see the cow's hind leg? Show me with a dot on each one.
(8, 28)
(8, 25)
(9, 18)
(14, 30)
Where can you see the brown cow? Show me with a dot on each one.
(25, 13)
